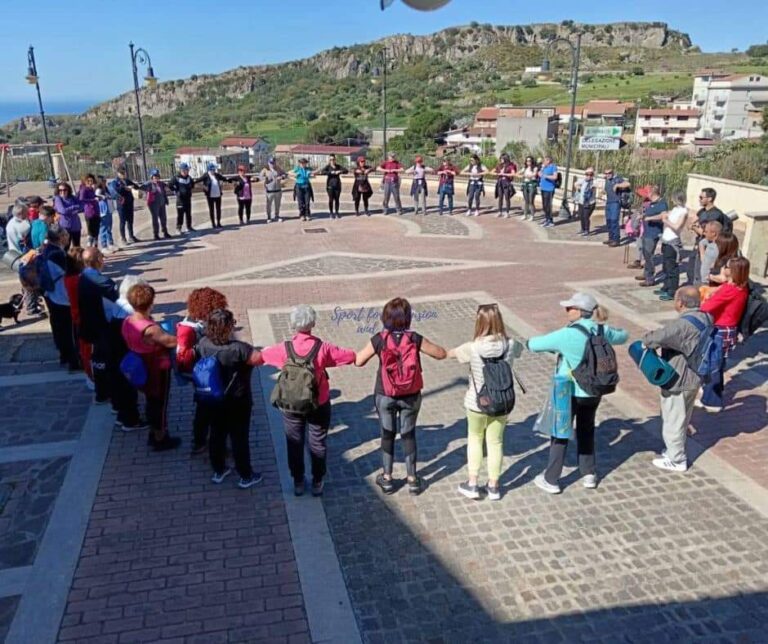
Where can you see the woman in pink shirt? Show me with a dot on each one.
(144, 336)
(312, 427)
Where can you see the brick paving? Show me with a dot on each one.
(656, 557)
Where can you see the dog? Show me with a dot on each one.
(12, 308)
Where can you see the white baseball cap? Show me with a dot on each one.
(581, 301)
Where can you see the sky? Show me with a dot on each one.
(83, 52)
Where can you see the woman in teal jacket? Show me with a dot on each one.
(569, 343)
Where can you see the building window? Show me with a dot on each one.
(682, 132)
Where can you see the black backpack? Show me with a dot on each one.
(497, 395)
(598, 371)
(755, 312)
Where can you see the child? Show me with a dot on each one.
(39, 230)
(106, 241)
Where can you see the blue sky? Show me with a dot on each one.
(82, 53)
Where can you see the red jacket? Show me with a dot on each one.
(726, 306)
(187, 335)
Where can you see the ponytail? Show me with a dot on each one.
(600, 314)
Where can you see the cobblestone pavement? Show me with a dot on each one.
(158, 553)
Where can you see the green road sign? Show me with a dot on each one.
(603, 130)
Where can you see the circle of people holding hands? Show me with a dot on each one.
(108, 331)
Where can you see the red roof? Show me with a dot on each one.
(668, 112)
(607, 107)
(325, 149)
(242, 141)
(565, 110)
(487, 114)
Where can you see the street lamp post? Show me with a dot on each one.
(139, 55)
(565, 213)
(33, 79)
(375, 81)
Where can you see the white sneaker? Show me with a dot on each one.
(708, 408)
(542, 483)
(477, 213)
(664, 463)
(468, 213)
(589, 481)
(219, 478)
(89, 385)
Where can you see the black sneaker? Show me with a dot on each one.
(470, 491)
(254, 479)
(166, 443)
(157, 237)
(414, 486)
(167, 235)
(135, 240)
(386, 485)
(298, 488)
(494, 493)
(318, 487)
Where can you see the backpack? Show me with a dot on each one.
(755, 312)
(598, 372)
(707, 358)
(559, 180)
(625, 199)
(296, 391)
(133, 368)
(400, 365)
(36, 276)
(497, 395)
(208, 382)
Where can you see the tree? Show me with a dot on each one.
(336, 130)
(757, 51)
(428, 124)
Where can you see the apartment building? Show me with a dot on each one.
(666, 125)
(729, 103)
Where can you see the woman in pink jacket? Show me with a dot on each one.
(312, 427)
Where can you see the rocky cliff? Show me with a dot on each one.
(454, 44)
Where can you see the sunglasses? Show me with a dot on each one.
(63, 190)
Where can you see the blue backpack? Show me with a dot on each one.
(707, 358)
(133, 368)
(208, 381)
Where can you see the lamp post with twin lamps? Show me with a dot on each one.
(565, 213)
(32, 79)
(139, 55)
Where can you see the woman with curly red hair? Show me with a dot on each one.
(200, 304)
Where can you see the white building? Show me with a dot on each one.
(256, 147)
(377, 135)
(729, 103)
(472, 139)
(197, 159)
(666, 125)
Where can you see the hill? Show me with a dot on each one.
(452, 71)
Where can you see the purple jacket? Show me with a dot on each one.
(88, 201)
(68, 209)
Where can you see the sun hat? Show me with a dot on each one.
(581, 301)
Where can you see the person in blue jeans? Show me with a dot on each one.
(654, 226)
(547, 184)
(613, 185)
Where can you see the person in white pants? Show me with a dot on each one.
(678, 339)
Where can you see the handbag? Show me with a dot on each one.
(555, 419)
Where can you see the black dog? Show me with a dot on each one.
(12, 309)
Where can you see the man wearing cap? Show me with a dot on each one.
(273, 176)
(585, 318)
(212, 182)
(391, 182)
(614, 184)
(182, 185)
(302, 189)
(678, 339)
(120, 190)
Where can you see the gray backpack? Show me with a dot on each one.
(296, 390)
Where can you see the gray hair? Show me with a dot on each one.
(20, 211)
(678, 198)
(55, 234)
(303, 317)
(689, 297)
(128, 282)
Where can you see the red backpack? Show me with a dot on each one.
(400, 365)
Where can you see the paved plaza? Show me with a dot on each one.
(102, 540)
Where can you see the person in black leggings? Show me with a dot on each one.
(394, 410)
(361, 188)
(333, 172)
(244, 193)
(212, 186)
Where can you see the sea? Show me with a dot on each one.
(10, 110)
